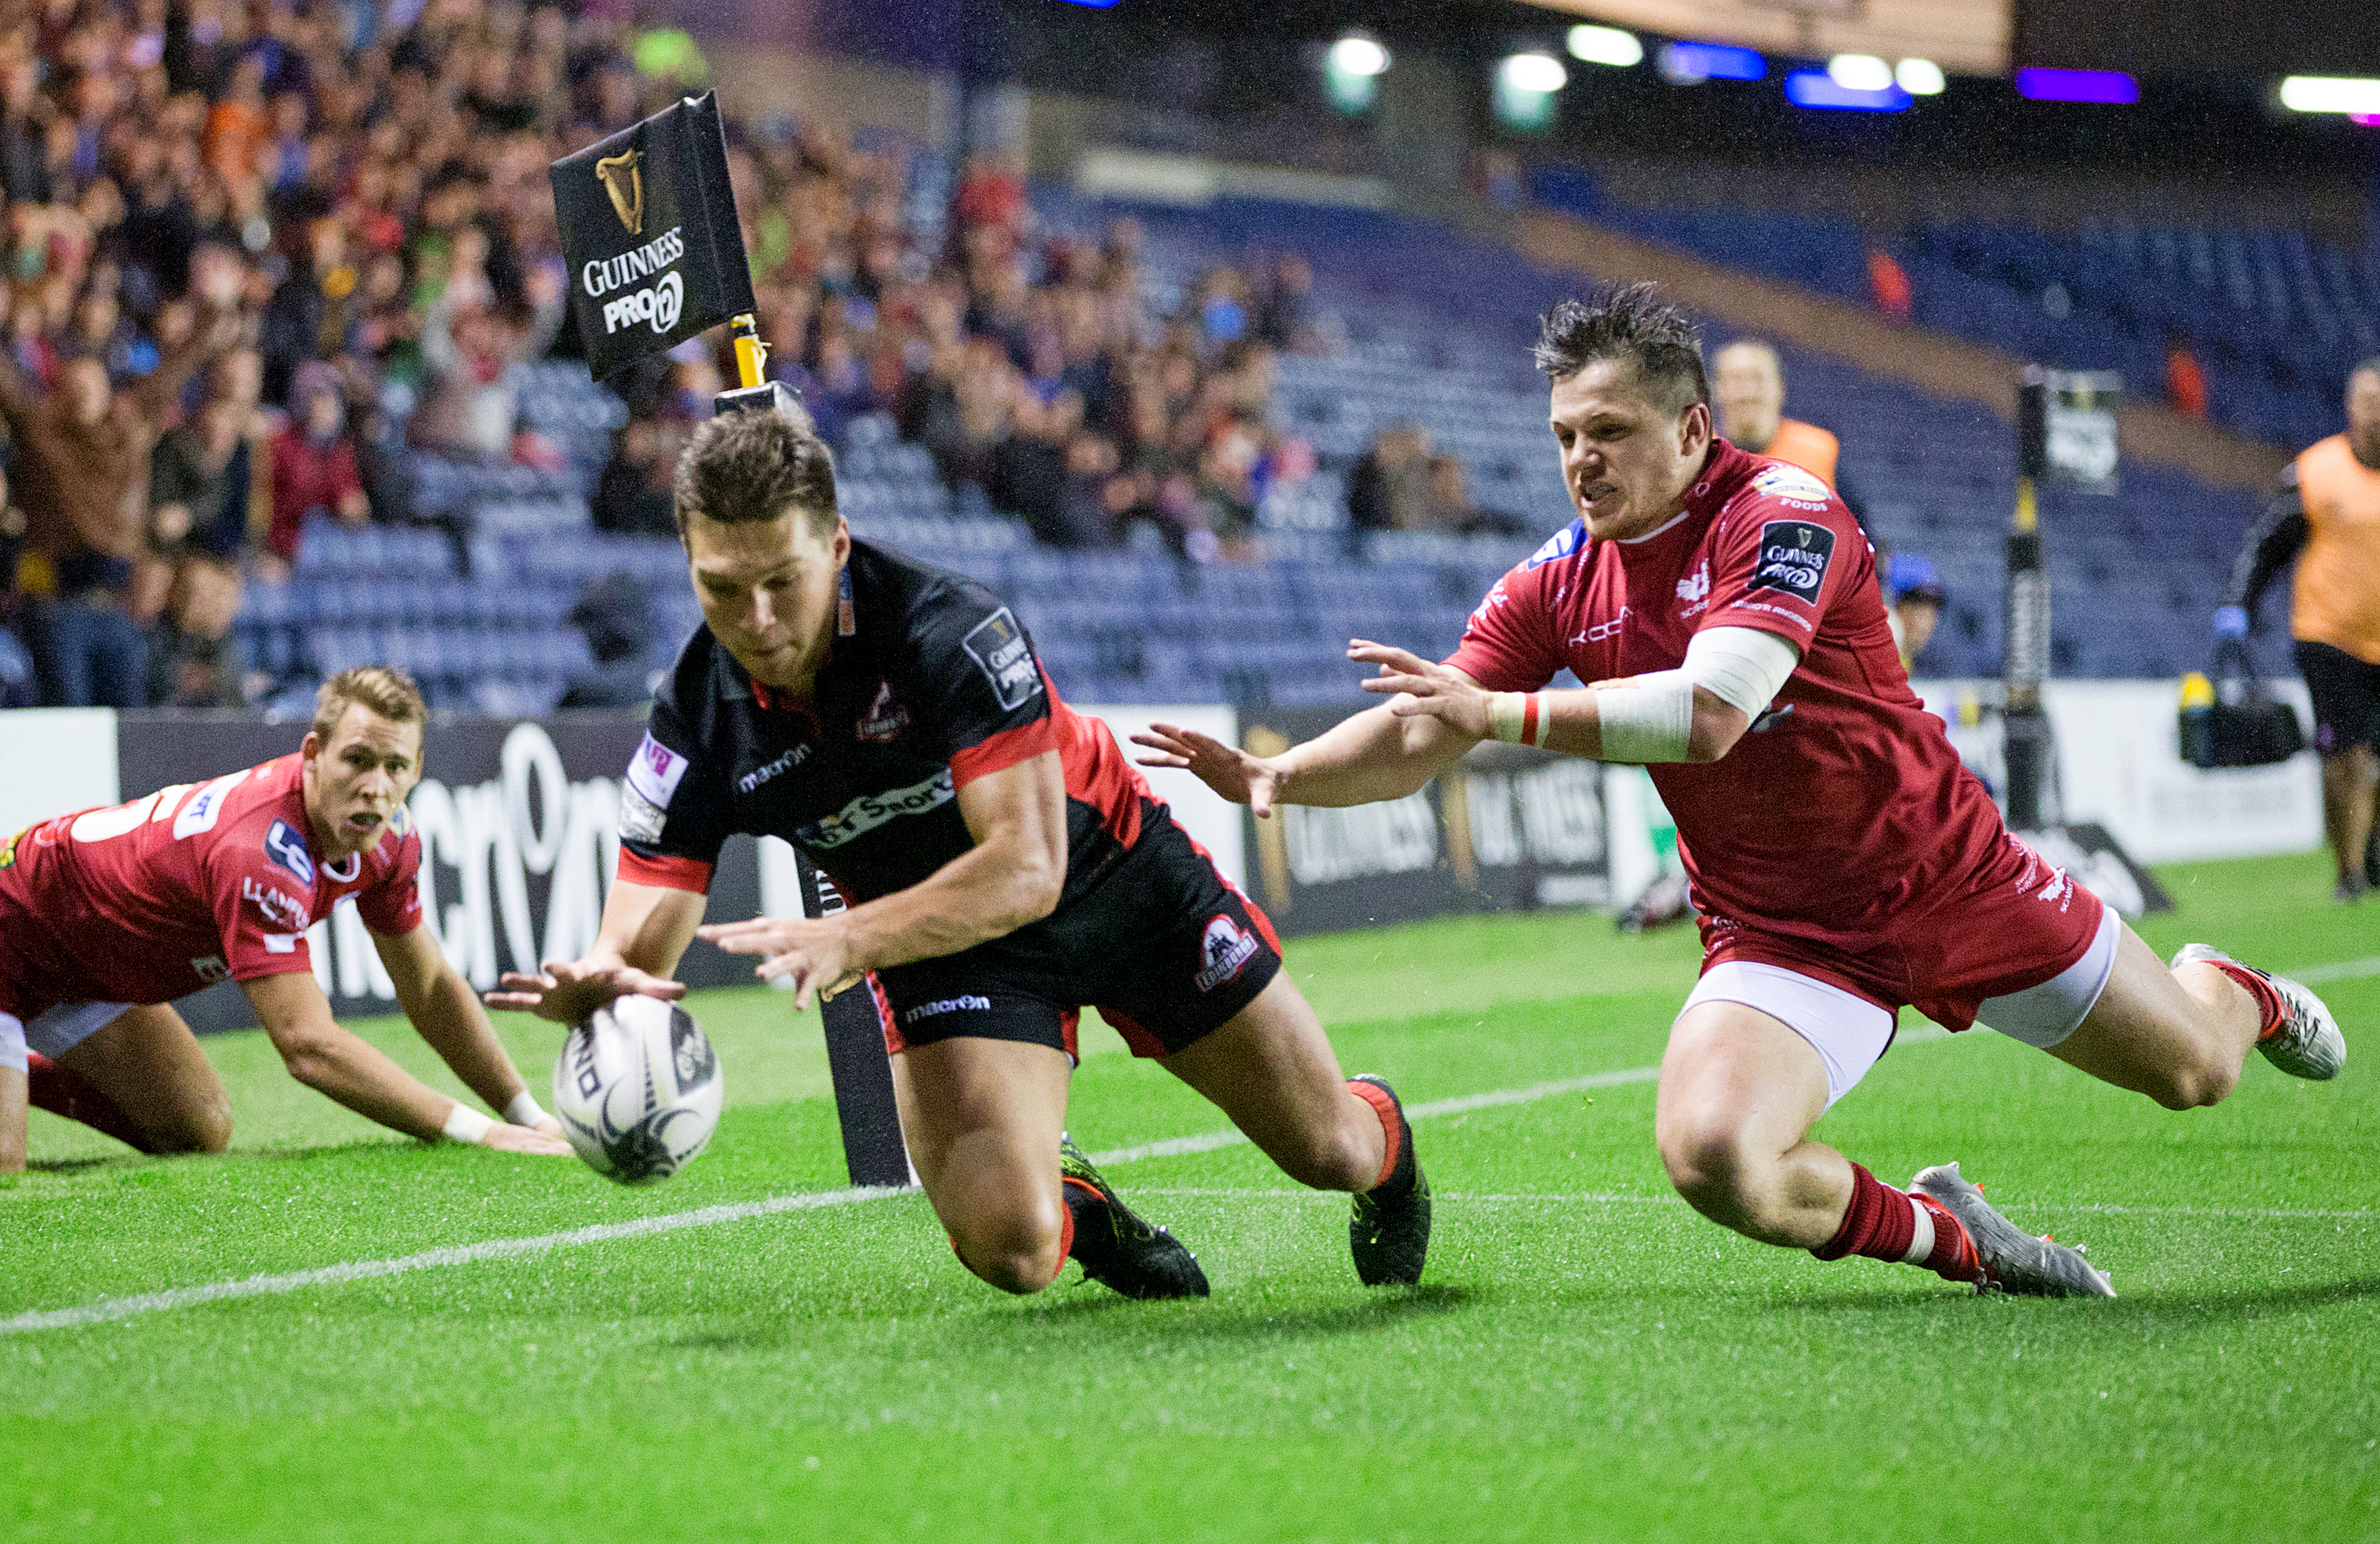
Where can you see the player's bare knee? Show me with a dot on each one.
(1705, 1160)
(2191, 1082)
(204, 1126)
(1016, 1252)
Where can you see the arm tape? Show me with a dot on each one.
(1652, 718)
(12, 1044)
(466, 1125)
(1743, 667)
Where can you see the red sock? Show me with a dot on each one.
(1881, 1223)
(2270, 1009)
(53, 1088)
(1386, 1108)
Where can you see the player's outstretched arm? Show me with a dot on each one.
(333, 1062)
(1013, 876)
(447, 1013)
(1695, 714)
(646, 929)
(1378, 754)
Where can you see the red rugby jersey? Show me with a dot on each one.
(150, 900)
(1845, 809)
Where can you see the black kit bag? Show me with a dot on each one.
(2239, 724)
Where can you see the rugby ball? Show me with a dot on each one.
(638, 1089)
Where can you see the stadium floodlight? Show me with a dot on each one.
(1816, 89)
(2330, 94)
(1858, 72)
(1684, 64)
(1919, 77)
(2077, 85)
(1358, 54)
(1605, 46)
(1539, 74)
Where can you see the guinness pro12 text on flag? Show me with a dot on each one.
(649, 228)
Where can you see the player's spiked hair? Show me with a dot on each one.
(1630, 321)
(384, 688)
(751, 467)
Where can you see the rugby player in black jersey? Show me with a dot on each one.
(1005, 865)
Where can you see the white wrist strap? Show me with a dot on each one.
(466, 1125)
(1517, 717)
(524, 1109)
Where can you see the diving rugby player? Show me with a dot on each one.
(1724, 607)
(107, 915)
(1005, 863)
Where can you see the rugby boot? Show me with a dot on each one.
(1389, 1233)
(2013, 1260)
(1115, 1248)
(2306, 1043)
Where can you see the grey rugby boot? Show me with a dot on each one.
(2306, 1043)
(2013, 1260)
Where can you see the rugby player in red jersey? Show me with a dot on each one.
(1004, 864)
(1724, 606)
(107, 915)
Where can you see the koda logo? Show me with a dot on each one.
(624, 180)
(1225, 950)
(1603, 631)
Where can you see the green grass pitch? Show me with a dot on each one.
(1587, 1359)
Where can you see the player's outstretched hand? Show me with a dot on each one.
(815, 952)
(1231, 772)
(567, 993)
(521, 1139)
(1429, 690)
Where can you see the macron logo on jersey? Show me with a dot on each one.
(1561, 543)
(288, 848)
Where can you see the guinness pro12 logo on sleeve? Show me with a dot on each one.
(649, 229)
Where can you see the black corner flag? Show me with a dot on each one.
(649, 231)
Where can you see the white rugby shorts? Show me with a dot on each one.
(1850, 1033)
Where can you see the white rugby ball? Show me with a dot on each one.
(638, 1089)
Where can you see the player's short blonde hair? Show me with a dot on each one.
(382, 688)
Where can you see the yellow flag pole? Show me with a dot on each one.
(751, 354)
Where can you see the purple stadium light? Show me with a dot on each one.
(2077, 85)
(1815, 88)
(1686, 61)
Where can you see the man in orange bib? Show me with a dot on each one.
(2326, 515)
(1748, 388)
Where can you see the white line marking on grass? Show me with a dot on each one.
(2345, 970)
(1175, 1146)
(461, 1254)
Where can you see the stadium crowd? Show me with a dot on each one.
(262, 258)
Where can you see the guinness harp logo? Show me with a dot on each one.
(624, 180)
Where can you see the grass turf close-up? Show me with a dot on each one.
(1585, 1358)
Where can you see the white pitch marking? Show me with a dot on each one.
(109, 1308)
(1615, 1198)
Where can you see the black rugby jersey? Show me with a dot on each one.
(929, 684)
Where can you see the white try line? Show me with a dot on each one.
(1624, 1198)
(108, 1308)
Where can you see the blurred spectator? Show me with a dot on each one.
(1916, 597)
(470, 408)
(2185, 382)
(1389, 486)
(193, 661)
(1748, 390)
(1889, 282)
(314, 470)
(617, 617)
(1286, 318)
(633, 497)
(19, 685)
(81, 469)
